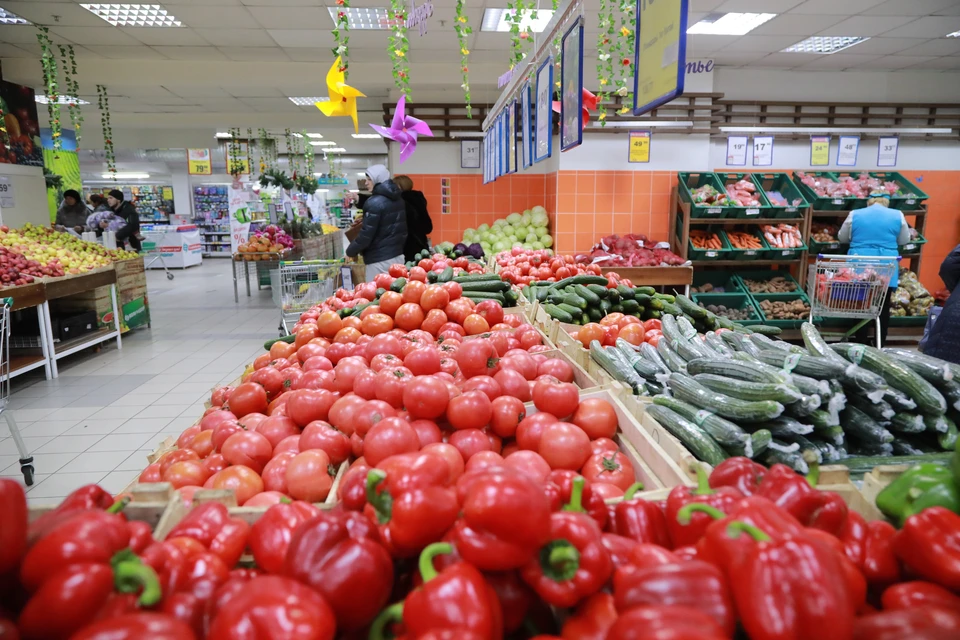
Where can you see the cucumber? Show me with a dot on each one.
(432, 277)
(686, 388)
(626, 292)
(766, 344)
(948, 440)
(484, 295)
(951, 393)
(650, 353)
(690, 308)
(398, 285)
(861, 426)
(785, 426)
(899, 400)
(807, 448)
(601, 291)
(617, 369)
(643, 299)
(667, 308)
(932, 370)
(595, 314)
(810, 366)
(574, 300)
(878, 411)
(566, 282)
(511, 297)
(591, 298)
(479, 277)
(693, 437)
(903, 448)
(779, 452)
(860, 465)
(647, 370)
(446, 275)
(647, 291)
(716, 343)
(673, 361)
(827, 427)
(616, 308)
(605, 306)
(828, 452)
(671, 331)
(738, 370)
(743, 390)
(897, 375)
(759, 441)
(557, 313)
(764, 329)
(636, 381)
(631, 307)
(666, 297)
(907, 423)
(935, 424)
(861, 448)
(576, 312)
(724, 432)
(542, 293)
(488, 286)
(816, 345)
(290, 339)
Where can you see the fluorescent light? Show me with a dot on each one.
(61, 99)
(955, 34)
(223, 134)
(127, 176)
(642, 124)
(8, 17)
(333, 150)
(306, 101)
(497, 20)
(323, 143)
(315, 135)
(878, 130)
(133, 15)
(730, 24)
(363, 17)
(362, 174)
(366, 136)
(322, 191)
(466, 134)
(824, 44)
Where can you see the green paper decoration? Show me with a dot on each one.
(624, 50)
(249, 145)
(50, 82)
(605, 50)
(341, 34)
(103, 102)
(462, 26)
(307, 154)
(73, 88)
(398, 46)
(235, 164)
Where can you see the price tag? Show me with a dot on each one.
(6, 193)
(791, 209)
(199, 162)
(787, 253)
(911, 201)
(909, 247)
(713, 211)
(847, 154)
(819, 151)
(711, 254)
(838, 201)
(753, 212)
(750, 252)
(887, 152)
(737, 151)
(639, 147)
(763, 151)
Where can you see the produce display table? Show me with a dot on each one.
(28, 358)
(655, 276)
(180, 247)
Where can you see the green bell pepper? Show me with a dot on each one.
(923, 486)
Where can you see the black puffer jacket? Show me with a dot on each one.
(384, 229)
(944, 339)
(128, 212)
(419, 225)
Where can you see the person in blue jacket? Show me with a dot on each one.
(876, 230)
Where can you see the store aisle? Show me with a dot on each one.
(108, 410)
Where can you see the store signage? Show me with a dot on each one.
(525, 125)
(763, 151)
(887, 152)
(505, 79)
(543, 138)
(848, 150)
(660, 56)
(7, 201)
(239, 217)
(571, 78)
(199, 162)
(418, 16)
(512, 137)
(737, 151)
(819, 151)
(639, 146)
(469, 154)
(699, 66)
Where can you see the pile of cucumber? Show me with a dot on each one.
(477, 287)
(737, 393)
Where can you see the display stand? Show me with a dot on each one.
(28, 358)
(655, 276)
(180, 246)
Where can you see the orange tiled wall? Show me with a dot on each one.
(943, 220)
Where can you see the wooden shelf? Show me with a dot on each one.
(919, 213)
(729, 222)
(66, 347)
(741, 263)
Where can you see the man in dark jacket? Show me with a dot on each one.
(383, 230)
(72, 214)
(128, 212)
(419, 224)
(944, 339)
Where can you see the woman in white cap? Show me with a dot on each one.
(383, 230)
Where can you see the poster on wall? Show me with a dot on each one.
(240, 160)
(847, 151)
(571, 78)
(819, 151)
(525, 126)
(469, 154)
(887, 152)
(239, 216)
(737, 151)
(639, 150)
(660, 54)
(497, 151)
(505, 137)
(65, 164)
(23, 126)
(512, 137)
(763, 151)
(199, 162)
(543, 139)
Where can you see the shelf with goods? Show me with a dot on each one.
(154, 203)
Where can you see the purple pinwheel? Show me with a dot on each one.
(404, 129)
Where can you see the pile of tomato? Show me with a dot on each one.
(617, 325)
(522, 266)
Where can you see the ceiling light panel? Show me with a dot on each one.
(730, 24)
(8, 17)
(955, 34)
(825, 45)
(61, 99)
(334, 150)
(499, 20)
(133, 15)
(307, 101)
(370, 18)
(322, 143)
(366, 136)
(315, 135)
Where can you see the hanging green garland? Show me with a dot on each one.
(307, 154)
(398, 46)
(103, 102)
(49, 63)
(288, 141)
(624, 55)
(73, 88)
(249, 145)
(605, 46)
(514, 17)
(234, 162)
(462, 27)
(341, 34)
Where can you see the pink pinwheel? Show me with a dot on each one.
(589, 104)
(404, 129)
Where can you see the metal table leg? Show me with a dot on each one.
(116, 314)
(246, 274)
(49, 338)
(45, 345)
(236, 293)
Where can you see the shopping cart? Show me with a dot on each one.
(854, 287)
(154, 254)
(26, 460)
(303, 284)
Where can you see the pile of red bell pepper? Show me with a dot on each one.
(417, 553)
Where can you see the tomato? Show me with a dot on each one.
(214, 463)
(328, 324)
(459, 309)
(275, 472)
(389, 437)
(557, 368)
(564, 446)
(341, 413)
(499, 339)
(484, 460)
(450, 455)
(606, 490)
(422, 362)
(202, 443)
(611, 320)
(633, 333)
(290, 443)
(308, 477)
(417, 274)
(491, 310)
(383, 280)
(434, 297)
(305, 334)
(613, 468)
(530, 429)
(397, 270)
(529, 463)
(248, 397)
(383, 344)
(596, 417)
(476, 358)
(529, 339)
(450, 366)
(391, 384)
(506, 414)
(152, 473)
(262, 360)
(291, 376)
(560, 399)
(248, 448)
(276, 428)
(471, 410)
(590, 332)
(310, 350)
(409, 316)
(390, 301)
(486, 384)
(603, 445)
(281, 349)
(223, 431)
(427, 432)
(369, 414)
(470, 442)
(652, 337)
(374, 324)
(269, 378)
(434, 319)
(317, 363)
(215, 417)
(185, 473)
(412, 292)
(522, 363)
(454, 327)
(512, 383)
(244, 481)
(474, 324)
(427, 397)
(651, 324)
(453, 289)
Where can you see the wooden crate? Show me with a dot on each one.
(877, 480)
(836, 478)
(148, 503)
(580, 376)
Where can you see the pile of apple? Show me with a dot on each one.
(47, 246)
(16, 269)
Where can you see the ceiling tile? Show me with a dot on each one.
(866, 25)
(237, 37)
(105, 35)
(952, 10)
(835, 8)
(215, 17)
(199, 91)
(310, 54)
(289, 3)
(271, 17)
(132, 53)
(270, 104)
(435, 41)
(206, 3)
(764, 44)
(257, 54)
(11, 51)
(70, 14)
(165, 36)
(939, 47)
(193, 54)
(732, 59)
(947, 62)
(912, 8)
(291, 38)
(19, 34)
(894, 62)
(882, 46)
(836, 62)
(758, 6)
(785, 60)
(928, 27)
(794, 24)
(704, 5)
(699, 45)
(254, 91)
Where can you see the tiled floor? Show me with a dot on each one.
(108, 410)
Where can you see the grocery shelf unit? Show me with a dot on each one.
(211, 215)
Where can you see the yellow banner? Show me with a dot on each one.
(819, 151)
(167, 193)
(199, 163)
(639, 146)
(658, 73)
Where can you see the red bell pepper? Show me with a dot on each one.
(621, 549)
(201, 575)
(141, 535)
(210, 524)
(167, 561)
(918, 593)
(665, 622)
(929, 544)
(13, 533)
(354, 573)
(741, 473)
(271, 534)
(592, 619)
(853, 536)
(641, 520)
(274, 607)
(689, 532)
(880, 564)
(516, 598)
(412, 502)
(87, 497)
(505, 520)
(695, 584)
(353, 488)
(572, 565)
(226, 592)
(917, 623)
(788, 588)
(569, 491)
(796, 495)
(852, 576)
(136, 626)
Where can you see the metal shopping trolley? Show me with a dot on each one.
(26, 460)
(855, 287)
(303, 284)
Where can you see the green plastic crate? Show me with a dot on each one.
(776, 253)
(688, 182)
(786, 324)
(761, 211)
(912, 196)
(749, 254)
(781, 182)
(767, 275)
(818, 203)
(816, 247)
(913, 247)
(710, 254)
(731, 301)
(725, 279)
(852, 203)
(908, 321)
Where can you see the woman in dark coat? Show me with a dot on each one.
(380, 236)
(944, 339)
(419, 224)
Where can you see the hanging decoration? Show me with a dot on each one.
(235, 163)
(288, 145)
(343, 97)
(398, 46)
(514, 17)
(604, 54)
(463, 29)
(50, 83)
(624, 45)
(341, 35)
(249, 145)
(69, 61)
(307, 154)
(4, 136)
(589, 104)
(404, 129)
(267, 158)
(103, 102)
(293, 153)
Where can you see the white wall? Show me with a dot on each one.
(30, 196)
(444, 158)
(667, 153)
(837, 86)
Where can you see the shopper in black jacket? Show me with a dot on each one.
(944, 339)
(128, 212)
(383, 230)
(419, 225)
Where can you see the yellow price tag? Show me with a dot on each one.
(199, 163)
(639, 146)
(819, 151)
